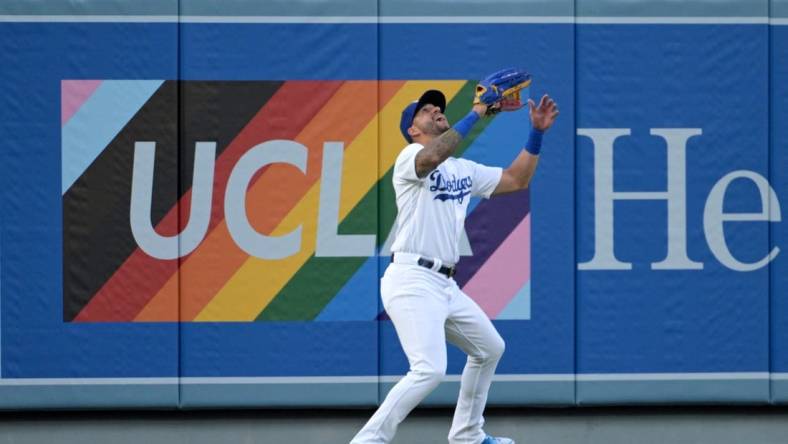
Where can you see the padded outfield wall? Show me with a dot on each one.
(197, 201)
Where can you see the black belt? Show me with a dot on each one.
(429, 263)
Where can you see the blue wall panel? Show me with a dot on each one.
(683, 89)
(653, 335)
(779, 178)
(47, 361)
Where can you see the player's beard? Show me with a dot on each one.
(443, 126)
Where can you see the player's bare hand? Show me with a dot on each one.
(480, 109)
(543, 115)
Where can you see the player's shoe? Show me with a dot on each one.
(499, 440)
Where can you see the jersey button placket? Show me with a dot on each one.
(459, 221)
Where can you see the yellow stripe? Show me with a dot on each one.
(258, 281)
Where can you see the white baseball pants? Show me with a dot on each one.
(427, 309)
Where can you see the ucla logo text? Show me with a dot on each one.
(329, 243)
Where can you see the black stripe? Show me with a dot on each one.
(97, 236)
(216, 112)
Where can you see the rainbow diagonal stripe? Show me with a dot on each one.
(109, 279)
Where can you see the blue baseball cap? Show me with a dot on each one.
(433, 97)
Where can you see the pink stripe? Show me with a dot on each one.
(73, 94)
(504, 273)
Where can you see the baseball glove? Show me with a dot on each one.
(500, 91)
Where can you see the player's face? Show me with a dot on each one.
(430, 120)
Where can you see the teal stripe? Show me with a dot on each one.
(279, 395)
(504, 393)
(89, 7)
(285, 8)
(88, 396)
(362, 394)
(779, 9)
(395, 8)
(422, 8)
(672, 8)
(366, 394)
(98, 121)
(779, 394)
(735, 391)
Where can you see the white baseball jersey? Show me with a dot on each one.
(431, 210)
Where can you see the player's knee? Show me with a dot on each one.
(432, 375)
(496, 349)
(436, 378)
(490, 352)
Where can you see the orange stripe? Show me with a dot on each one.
(272, 197)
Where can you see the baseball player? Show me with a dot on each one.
(418, 292)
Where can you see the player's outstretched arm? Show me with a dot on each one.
(518, 175)
(440, 148)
